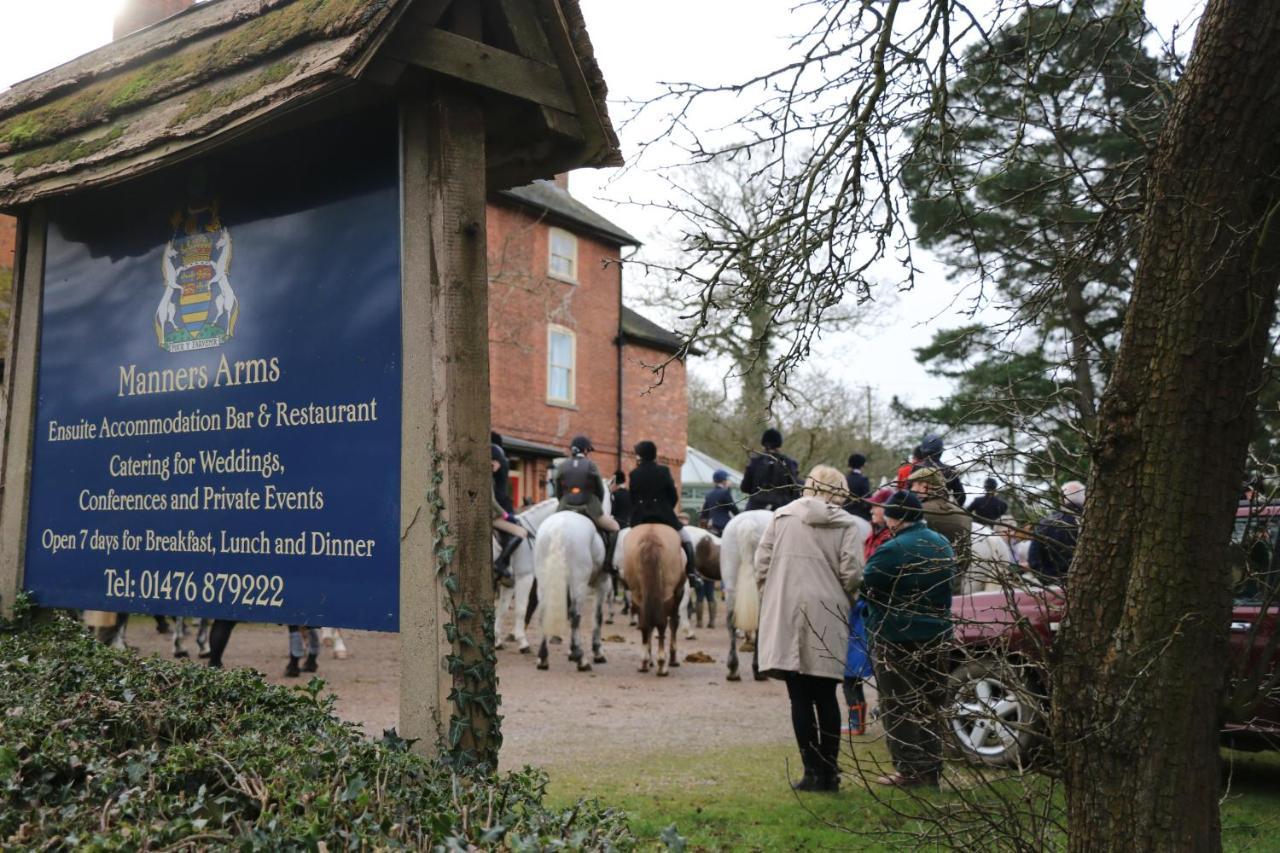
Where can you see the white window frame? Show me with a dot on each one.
(572, 367)
(572, 275)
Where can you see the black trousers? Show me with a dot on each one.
(912, 679)
(815, 717)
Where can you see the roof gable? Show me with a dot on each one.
(192, 81)
(547, 197)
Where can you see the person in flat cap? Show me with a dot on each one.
(772, 479)
(930, 485)
(907, 587)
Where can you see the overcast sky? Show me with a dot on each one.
(637, 45)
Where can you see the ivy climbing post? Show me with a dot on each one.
(448, 684)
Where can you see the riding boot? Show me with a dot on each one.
(711, 610)
(610, 542)
(502, 565)
(292, 671)
(689, 567)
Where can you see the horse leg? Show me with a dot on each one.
(604, 589)
(733, 649)
(691, 596)
(180, 634)
(339, 647)
(631, 608)
(646, 635)
(524, 586)
(542, 655)
(575, 639)
(675, 632)
(755, 657)
(202, 637)
(662, 650)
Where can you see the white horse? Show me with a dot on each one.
(738, 577)
(992, 563)
(522, 563)
(569, 563)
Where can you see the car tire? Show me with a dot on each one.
(995, 714)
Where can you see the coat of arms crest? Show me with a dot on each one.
(198, 309)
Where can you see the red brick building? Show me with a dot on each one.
(566, 356)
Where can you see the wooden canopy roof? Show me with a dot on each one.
(228, 68)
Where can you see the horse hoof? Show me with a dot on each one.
(204, 655)
(662, 673)
(599, 659)
(747, 646)
(584, 667)
(497, 645)
(181, 655)
(543, 665)
(609, 621)
(758, 677)
(733, 676)
(674, 663)
(524, 650)
(510, 638)
(575, 655)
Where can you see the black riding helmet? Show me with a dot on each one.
(581, 444)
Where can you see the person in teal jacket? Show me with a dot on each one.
(907, 587)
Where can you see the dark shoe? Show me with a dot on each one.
(809, 782)
(310, 664)
(292, 671)
(830, 783)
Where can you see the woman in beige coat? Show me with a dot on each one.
(808, 566)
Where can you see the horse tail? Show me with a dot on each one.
(649, 553)
(746, 599)
(553, 592)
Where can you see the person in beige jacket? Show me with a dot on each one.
(808, 566)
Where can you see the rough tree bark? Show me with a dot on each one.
(1143, 649)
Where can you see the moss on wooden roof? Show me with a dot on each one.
(141, 102)
(276, 31)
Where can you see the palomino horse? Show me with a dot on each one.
(738, 575)
(653, 568)
(569, 563)
(522, 571)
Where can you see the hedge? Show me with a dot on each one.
(106, 750)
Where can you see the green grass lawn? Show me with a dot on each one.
(740, 799)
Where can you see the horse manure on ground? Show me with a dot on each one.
(699, 657)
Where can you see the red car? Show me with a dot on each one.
(999, 686)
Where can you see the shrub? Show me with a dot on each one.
(104, 750)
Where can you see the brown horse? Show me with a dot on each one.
(653, 568)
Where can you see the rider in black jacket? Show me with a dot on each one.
(772, 479)
(654, 497)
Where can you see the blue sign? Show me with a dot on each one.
(218, 424)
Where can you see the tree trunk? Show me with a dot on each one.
(1143, 648)
(753, 366)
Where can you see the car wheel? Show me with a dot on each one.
(995, 715)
